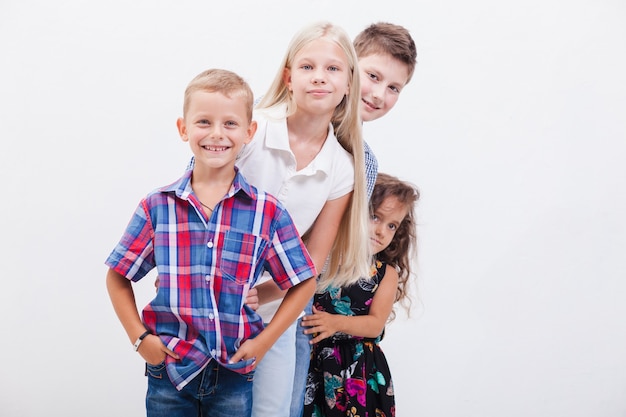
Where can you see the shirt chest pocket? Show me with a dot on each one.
(240, 255)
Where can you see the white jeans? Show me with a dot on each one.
(273, 377)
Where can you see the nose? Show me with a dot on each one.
(378, 91)
(216, 132)
(318, 78)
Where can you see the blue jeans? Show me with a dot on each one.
(303, 357)
(215, 391)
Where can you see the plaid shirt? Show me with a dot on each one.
(206, 267)
(371, 169)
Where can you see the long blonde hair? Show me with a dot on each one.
(349, 259)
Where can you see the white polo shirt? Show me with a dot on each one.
(268, 163)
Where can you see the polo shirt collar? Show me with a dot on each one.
(277, 137)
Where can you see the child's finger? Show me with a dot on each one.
(236, 357)
(172, 353)
(239, 355)
(318, 338)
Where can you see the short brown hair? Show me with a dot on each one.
(389, 39)
(220, 81)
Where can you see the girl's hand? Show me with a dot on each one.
(252, 299)
(321, 324)
(153, 351)
(250, 349)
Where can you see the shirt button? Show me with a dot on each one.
(207, 278)
(211, 316)
(209, 245)
(212, 352)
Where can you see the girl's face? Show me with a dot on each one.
(382, 80)
(319, 77)
(384, 223)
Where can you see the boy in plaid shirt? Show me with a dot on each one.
(210, 235)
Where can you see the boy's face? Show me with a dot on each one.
(216, 128)
(382, 79)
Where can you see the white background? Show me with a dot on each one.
(513, 128)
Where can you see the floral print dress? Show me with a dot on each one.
(349, 376)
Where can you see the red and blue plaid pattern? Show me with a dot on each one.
(206, 267)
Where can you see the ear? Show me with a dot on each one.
(287, 78)
(182, 129)
(251, 131)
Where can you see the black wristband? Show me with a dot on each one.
(140, 339)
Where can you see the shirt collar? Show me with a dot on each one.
(182, 186)
(277, 137)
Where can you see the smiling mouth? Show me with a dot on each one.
(370, 105)
(215, 148)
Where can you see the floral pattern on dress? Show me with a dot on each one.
(349, 376)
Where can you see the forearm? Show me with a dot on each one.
(372, 324)
(290, 308)
(269, 291)
(360, 326)
(321, 236)
(322, 324)
(123, 300)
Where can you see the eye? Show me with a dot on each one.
(333, 68)
(393, 227)
(373, 217)
(203, 122)
(394, 89)
(231, 123)
(307, 67)
(372, 76)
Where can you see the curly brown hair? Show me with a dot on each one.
(403, 248)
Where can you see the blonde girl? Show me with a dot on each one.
(308, 152)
